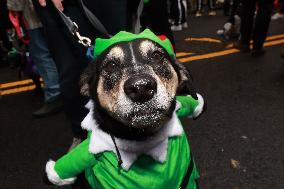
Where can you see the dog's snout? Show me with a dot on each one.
(140, 88)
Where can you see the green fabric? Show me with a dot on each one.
(145, 172)
(102, 172)
(188, 105)
(75, 162)
(102, 44)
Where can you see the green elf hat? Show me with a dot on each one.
(102, 44)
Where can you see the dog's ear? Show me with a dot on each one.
(185, 82)
(85, 79)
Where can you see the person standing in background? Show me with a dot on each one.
(70, 56)
(254, 28)
(41, 57)
(178, 12)
(154, 16)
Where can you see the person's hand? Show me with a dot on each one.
(57, 4)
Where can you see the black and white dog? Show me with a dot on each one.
(133, 87)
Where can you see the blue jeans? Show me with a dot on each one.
(70, 56)
(44, 63)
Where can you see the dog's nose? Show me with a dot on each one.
(140, 88)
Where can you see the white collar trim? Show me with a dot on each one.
(155, 146)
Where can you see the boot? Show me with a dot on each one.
(49, 108)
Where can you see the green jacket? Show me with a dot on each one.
(102, 172)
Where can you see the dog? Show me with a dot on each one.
(133, 87)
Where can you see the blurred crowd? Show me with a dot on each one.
(35, 39)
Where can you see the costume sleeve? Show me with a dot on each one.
(64, 170)
(189, 106)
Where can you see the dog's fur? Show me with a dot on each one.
(133, 85)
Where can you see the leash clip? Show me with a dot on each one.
(83, 40)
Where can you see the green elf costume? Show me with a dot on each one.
(162, 161)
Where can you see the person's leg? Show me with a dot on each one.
(131, 8)
(247, 17)
(175, 11)
(45, 64)
(234, 11)
(226, 7)
(210, 4)
(211, 7)
(183, 12)
(171, 10)
(69, 55)
(177, 15)
(3, 46)
(281, 10)
(199, 5)
(156, 18)
(262, 21)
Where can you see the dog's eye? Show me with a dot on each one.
(110, 66)
(157, 57)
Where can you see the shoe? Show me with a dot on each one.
(185, 25)
(75, 142)
(176, 27)
(277, 16)
(244, 48)
(198, 14)
(212, 13)
(257, 52)
(49, 108)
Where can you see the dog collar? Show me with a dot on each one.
(156, 146)
(102, 44)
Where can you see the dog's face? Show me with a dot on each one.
(137, 83)
(134, 83)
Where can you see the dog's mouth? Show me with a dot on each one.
(146, 118)
(142, 116)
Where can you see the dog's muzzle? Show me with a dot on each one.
(140, 88)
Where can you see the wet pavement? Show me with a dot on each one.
(237, 144)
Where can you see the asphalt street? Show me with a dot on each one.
(237, 144)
